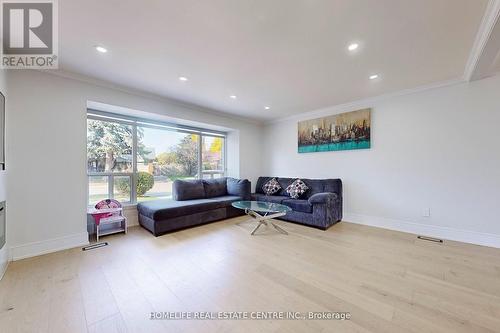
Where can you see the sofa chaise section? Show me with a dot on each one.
(194, 202)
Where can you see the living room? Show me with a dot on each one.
(285, 166)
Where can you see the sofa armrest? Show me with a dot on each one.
(327, 208)
(239, 187)
(322, 198)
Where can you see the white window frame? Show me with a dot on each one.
(140, 122)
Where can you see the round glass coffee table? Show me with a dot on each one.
(263, 212)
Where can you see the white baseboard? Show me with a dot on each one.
(48, 246)
(132, 216)
(459, 235)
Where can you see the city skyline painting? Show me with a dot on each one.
(344, 131)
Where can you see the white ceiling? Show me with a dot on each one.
(495, 41)
(496, 67)
(290, 55)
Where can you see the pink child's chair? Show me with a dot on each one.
(109, 211)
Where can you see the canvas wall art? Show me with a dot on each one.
(345, 131)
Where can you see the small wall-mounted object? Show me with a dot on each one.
(2, 225)
(2, 131)
(426, 212)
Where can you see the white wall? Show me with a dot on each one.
(437, 149)
(46, 154)
(3, 180)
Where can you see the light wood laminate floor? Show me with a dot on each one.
(388, 281)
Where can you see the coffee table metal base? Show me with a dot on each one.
(265, 219)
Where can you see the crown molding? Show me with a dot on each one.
(364, 103)
(144, 94)
(488, 23)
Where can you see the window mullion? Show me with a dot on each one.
(200, 158)
(111, 182)
(133, 179)
(224, 161)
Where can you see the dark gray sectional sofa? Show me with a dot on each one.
(195, 202)
(320, 206)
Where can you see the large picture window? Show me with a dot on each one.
(133, 160)
(166, 155)
(212, 156)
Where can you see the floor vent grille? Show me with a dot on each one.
(94, 246)
(431, 239)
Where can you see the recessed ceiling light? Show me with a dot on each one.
(373, 77)
(353, 46)
(101, 49)
(183, 78)
(232, 96)
(267, 107)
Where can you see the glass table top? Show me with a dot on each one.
(262, 206)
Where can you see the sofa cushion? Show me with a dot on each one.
(322, 185)
(160, 227)
(188, 190)
(285, 182)
(239, 187)
(298, 205)
(269, 198)
(165, 209)
(227, 200)
(215, 187)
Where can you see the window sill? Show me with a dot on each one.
(128, 206)
(125, 206)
